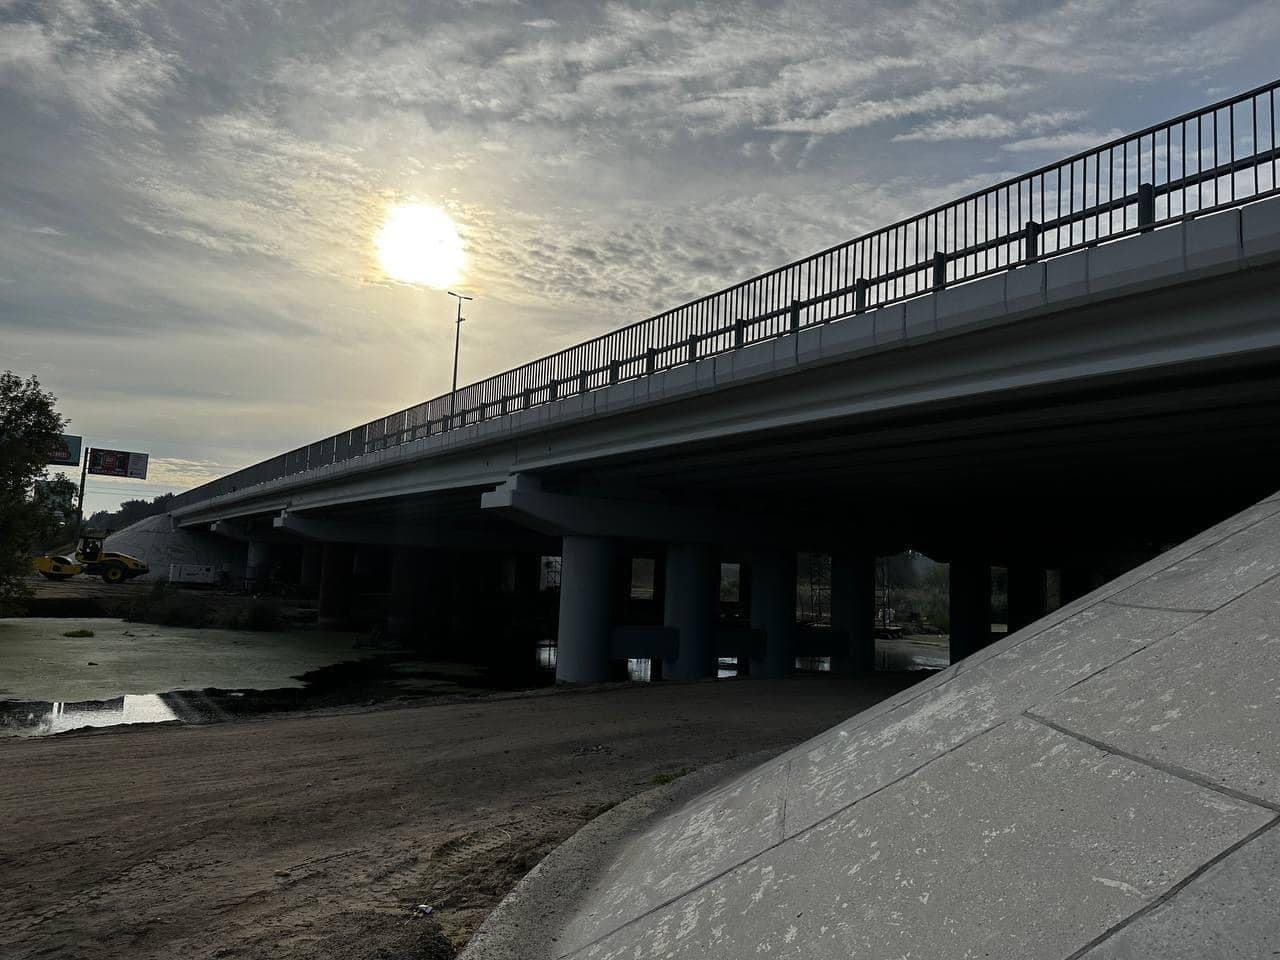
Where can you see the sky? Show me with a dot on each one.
(190, 192)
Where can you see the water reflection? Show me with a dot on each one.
(909, 654)
(40, 718)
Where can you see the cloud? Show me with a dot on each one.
(854, 115)
(1070, 141)
(97, 58)
(985, 126)
(200, 183)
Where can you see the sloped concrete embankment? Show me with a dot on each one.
(1102, 784)
(159, 543)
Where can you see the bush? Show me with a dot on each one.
(78, 633)
(168, 607)
(172, 607)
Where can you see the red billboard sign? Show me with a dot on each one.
(65, 451)
(118, 463)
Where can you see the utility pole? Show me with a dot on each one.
(457, 336)
(84, 469)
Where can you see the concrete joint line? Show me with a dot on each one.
(782, 813)
(1146, 606)
(773, 846)
(1172, 769)
(1174, 890)
(1101, 670)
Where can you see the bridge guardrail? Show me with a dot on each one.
(1205, 160)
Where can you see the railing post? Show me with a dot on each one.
(939, 270)
(693, 348)
(650, 360)
(1032, 241)
(1146, 205)
(860, 287)
(582, 382)
(613, 371)
(504, 406)
(554, 390)
(739, 332)
(528, 397)
(795, 316)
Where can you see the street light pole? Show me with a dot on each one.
(457, 336)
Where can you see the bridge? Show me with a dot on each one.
(1069, 370)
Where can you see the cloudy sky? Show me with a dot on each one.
(190, 190)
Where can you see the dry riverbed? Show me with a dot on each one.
(315, 836)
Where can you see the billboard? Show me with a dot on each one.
(65, 451)
(118, 463)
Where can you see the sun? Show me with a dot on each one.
(418, 243)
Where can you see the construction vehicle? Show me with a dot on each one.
(92, 560)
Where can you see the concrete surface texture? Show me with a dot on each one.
(1104, 783)
(156, 541)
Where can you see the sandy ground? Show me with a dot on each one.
(315, 836)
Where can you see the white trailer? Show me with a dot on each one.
(193, 574)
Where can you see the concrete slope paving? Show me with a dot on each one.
(158, 543)
(1102, 784)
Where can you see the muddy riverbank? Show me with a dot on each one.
(316, 836)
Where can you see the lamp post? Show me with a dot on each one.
(457, 335)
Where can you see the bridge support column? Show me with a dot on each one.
(336, 565)
(1028, 597)
(689, 604)
(406, 574)
(257, 564)
(853, 611)
(309, 573)
(586, 615)
(773, 610)
(1076, 580)
(970, 606)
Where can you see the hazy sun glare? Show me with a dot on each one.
(420, 244)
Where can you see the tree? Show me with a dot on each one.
(29, 427)
(130, 512)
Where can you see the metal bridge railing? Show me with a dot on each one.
(1212, 158)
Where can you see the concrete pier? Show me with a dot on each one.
(970, 606)
(257, 564)
(406, 575)
(586, 615)
(853, 602)
(773, 609)
(692, 592)
(1028, 600)
(335, 584)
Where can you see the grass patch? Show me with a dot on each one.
(78, 633)
(663, 777)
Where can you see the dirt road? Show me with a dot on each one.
(314, 836)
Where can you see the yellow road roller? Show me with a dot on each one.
(92, 560)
